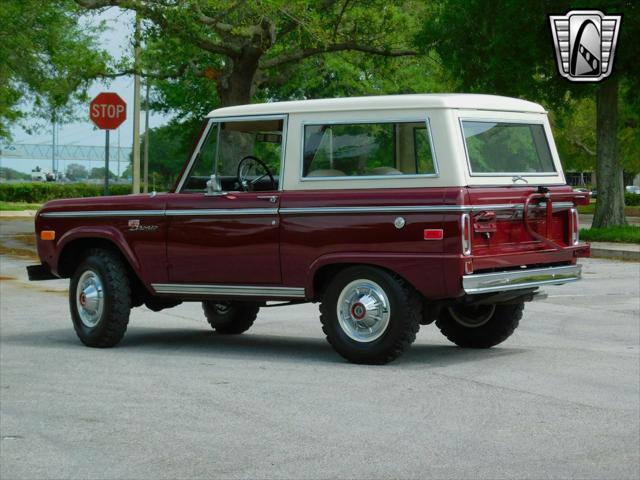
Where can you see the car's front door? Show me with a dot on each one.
(230, 234)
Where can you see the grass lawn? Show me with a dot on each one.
(626, 234)
(8, 206)
(591, 208)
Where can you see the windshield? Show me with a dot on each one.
(507, 148)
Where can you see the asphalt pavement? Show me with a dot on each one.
(559, 399)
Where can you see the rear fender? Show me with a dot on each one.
(423, 271)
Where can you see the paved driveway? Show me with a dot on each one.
(559, 399)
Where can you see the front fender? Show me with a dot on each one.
(102, 232)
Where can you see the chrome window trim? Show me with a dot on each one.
(244, 118)
(217, 156)
(519, 279)
(417, 119)
(555, 173)
(218, 120)
(283, 146)
(232, 290)
(283, 152)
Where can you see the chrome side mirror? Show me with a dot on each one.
(214, 185)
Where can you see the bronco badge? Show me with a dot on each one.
(585, 42)
(136, 226)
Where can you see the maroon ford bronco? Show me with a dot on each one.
(391, 212)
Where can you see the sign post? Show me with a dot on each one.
(107, 111)
(106, 163)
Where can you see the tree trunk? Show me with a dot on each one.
(236, 86)
(610, 202)
(236, 92)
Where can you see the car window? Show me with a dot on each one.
(507, 148)
(261, 139)
(203, 166)
(367, 149)
(226, 144)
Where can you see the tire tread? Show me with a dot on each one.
(118, 284)
(501, 326)
(411, 318)
(245, 315)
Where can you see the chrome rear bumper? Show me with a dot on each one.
(518, 279)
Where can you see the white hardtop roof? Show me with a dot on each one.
(465, 101)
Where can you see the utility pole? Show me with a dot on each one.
(136, 110)
(57, 156)
(53, 143)
(146, 139)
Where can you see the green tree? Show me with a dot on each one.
(169, 147)
(97, 173)
(76, 172)
(237, 48)
(7, 173)
(575, 134)
(508, 51)
(47, 60)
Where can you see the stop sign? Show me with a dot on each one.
(108, 110)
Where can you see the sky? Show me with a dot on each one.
(116, 39)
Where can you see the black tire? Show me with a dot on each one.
(405, 312)
(480, 327)
(230, 318)
(111, 322)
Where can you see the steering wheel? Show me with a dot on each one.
(243, 168)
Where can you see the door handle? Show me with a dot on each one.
(269, 198)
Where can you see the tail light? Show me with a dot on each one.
(575, 226)
(465, 224)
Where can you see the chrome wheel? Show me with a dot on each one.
(363, 310)
(472, 317)
(90, 298)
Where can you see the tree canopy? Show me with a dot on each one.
(47, 60)
(245, 47)
(508, 52)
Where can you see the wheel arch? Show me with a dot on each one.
(323, 272)
(74, 250)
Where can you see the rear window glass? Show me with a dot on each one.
(367, 149)
(495, 147)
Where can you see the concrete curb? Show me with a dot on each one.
(624, 251)
(18, 213)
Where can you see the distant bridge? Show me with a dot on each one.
(66, 153)
(63, 152)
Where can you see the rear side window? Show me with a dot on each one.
(507, 148)
(367, 149)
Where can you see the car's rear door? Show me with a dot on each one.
(520, 202)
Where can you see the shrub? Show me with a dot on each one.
(43, 192)
(631, 199)
(621, 233)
